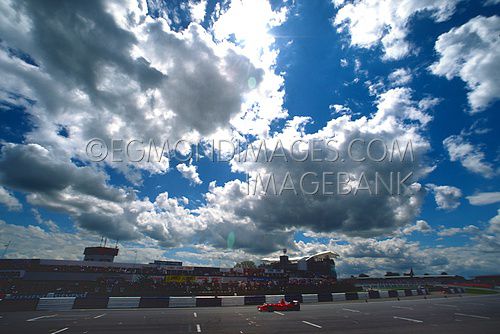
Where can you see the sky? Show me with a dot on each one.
(87, 87)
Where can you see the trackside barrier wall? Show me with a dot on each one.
(408, 293)
(351, 296)
(233, 301)
(383, 293)
(393, 293)
(401, 293)
(124, 302)
(294, 296)
(373, 294)
(274, 298)
(310, 298)
(325, 297)
(363, 295)
(255, 300)
(154, 302)
(18, 304)
(208, 301)
(55, 304)
(414, 292)
(338, 297)
(182, 302)
(90, 302)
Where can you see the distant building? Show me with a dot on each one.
(320, 264)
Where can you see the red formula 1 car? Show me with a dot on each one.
(281, 306)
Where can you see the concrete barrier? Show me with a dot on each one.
(182, 302)
(310, 298)
(233, 301)
(124, 302)
(154, 302)
(7, 305)
(373, 294)
(401, 293)
(208, 302)
(414, 292)
(255, 300)
(55, 304)
(383, 293)
(408, 293)
(90, 302)
(274, 298)
(337, 297)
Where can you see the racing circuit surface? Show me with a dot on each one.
(480, 314)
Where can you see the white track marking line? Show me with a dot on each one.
(61, 330)
(446, 305)
(408, 319)
(472, 316)
(351, 310)
(198, 328)
(279, 313)
(99, 316)
(195, 315)
(42, 317)
(403, 307)
(311, 324)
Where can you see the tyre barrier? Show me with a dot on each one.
(325, 297)
(294, 296)
(90, 302)
(208, 302)
(393, 293)
(154, 302)
(124, 302)
(96, 302)
(55, 304)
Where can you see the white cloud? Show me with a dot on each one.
(400, 77)
(189, 172)
(447, 197)
(386, 22)
(420, 226)
(197, 10)
(469, 155)
(472, 53)
(9, 200)
(484, 198)
(448, 232)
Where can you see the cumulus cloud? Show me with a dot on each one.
(472, 53)
(386, 22)
(9, 200)
(420, 226)
(469, 155)
(400, 77)
(484, 198)
(448, 232)
(189, 172)
(447, 197)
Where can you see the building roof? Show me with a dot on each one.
(318, 256)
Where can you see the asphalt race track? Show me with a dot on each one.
(467, 314)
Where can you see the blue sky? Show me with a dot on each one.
(253, 70)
